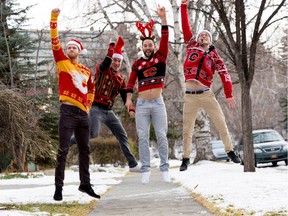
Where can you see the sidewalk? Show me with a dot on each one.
(130, 198)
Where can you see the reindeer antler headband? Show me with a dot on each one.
(148, 27)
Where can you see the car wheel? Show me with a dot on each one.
(286, 162)
(274, 163)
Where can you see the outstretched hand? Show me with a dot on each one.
(231, 103)
(56, 11)
(161, 11)
(185, 2)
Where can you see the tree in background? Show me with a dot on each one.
(22, 106)
(21, 136)
(111, 13)
(242, 50)
(283, 52)
(13, 43)
(238, 29)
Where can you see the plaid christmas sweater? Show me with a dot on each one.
(75, 80)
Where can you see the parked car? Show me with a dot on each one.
(269, 147)
(219, 150)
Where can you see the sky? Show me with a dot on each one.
(39, 14)
(224, 183)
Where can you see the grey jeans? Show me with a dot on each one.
(147, 112)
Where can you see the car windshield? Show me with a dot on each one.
(217, 145)
(267, 136)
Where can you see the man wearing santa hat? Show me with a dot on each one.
(109, 83)
(76, 94)
(202, 60)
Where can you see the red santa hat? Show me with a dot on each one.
(118, 48)
(78, 44)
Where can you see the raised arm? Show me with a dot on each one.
(186, 29)
(108, 58)
(55, 42)
(163, 47)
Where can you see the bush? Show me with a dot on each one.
(108, 151)
(104, 151)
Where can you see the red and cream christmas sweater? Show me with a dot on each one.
(150, 72)
(212, 62)
(75, 80)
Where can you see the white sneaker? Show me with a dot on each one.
(145, 177)
(137, 168)
(165, 176)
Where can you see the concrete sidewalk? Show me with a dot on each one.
(131, 198)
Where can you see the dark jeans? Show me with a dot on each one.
(73, 120)
(98, 116)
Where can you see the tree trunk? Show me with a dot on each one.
(19, 156)
(249, 161)
(203, 137)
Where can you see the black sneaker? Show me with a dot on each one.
(89, 190)
(185, 163)
(58, 193)
(233, 157)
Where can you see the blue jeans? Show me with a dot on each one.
(98, 116)
(73, 119)
(154, 111)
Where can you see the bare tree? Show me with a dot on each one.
(243, 54)
(234, 22)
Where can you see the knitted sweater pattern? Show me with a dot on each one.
(212, 62)
(75, 80)
(150, 72)
(108, 84)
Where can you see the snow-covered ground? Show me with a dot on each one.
(222, 182)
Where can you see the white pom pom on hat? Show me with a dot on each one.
(78, 44)
(206, 31)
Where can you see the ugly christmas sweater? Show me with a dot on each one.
(109, 83)
(212, 62)
(150, 72)
(75, 80)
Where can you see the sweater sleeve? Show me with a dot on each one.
(186, 29)
(108, 59)
(55, 42)
(91, 90)
(221, 68)
(132, 79)
(164, 42)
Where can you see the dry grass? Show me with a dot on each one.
(71, 209)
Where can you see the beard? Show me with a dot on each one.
(72, 55)
(148, 55)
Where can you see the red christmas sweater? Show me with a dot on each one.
(150, 72)
(212, 62)
(75, 80)
(109, 83)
